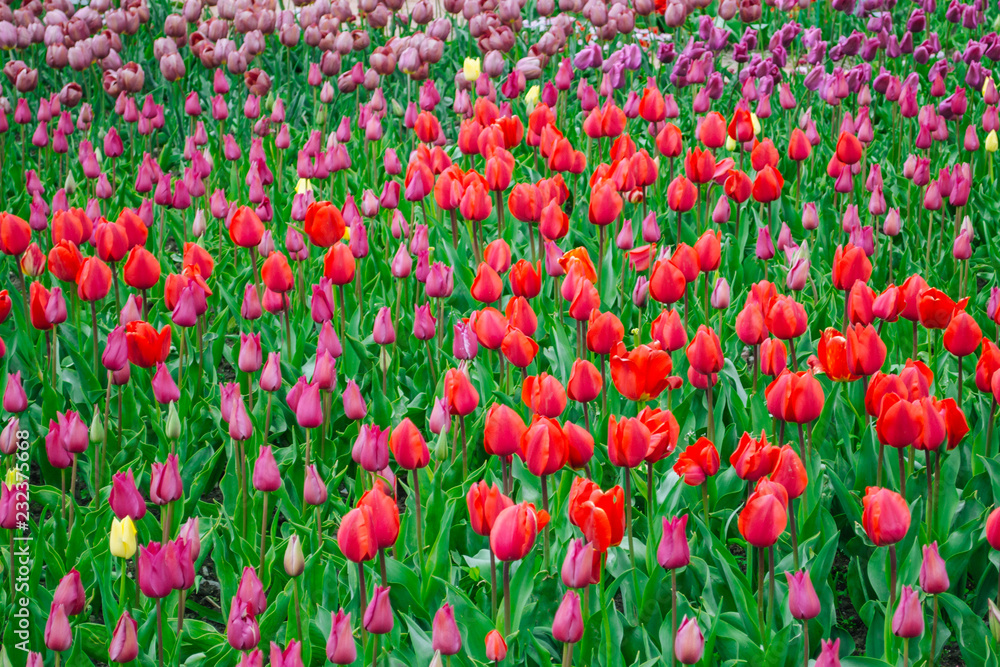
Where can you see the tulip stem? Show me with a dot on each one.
(343, 311)
(704, 504)
(600, 254)
(159, 630)
(506, 598)
(567, 660)
(374, 650)
(243, 485)
(881, 456)
(256, 273)
(465, 454)
(263, 533)
(928, 468)
(420, 529)
(181, 604)
(94, 336)
(892, 578)
(545, 530)
(363, 601)
(673, 613)
(319, 529)
(628, 517)
(906, 652)
(902, 473)
(805, 643)
(794, 532)
(934, 624)
(711, 411)
(760, 595)
(493, 584)
(298, 615)
(770, 586)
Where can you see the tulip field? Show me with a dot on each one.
(499, 333)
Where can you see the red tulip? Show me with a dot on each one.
(886, 516)
(356, 535)
(503, 430)
(246, 229)
(408, 446)
(515, 530)
(698, 462)
(642, 373)
(865, 350)
(753, 459)
(544, 447)
(763, 518)
(628, 441)
(600, 515)
(147, 346)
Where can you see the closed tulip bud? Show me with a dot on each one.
(720, 294)
(340, 646)
(122, 538)
(674, 551)
(628, 441)
(578, 566)
(383, 332)
(933, 573)
(408, 446)
(294, 561)
(689, 643)
(58, 633)
(378, 618)
(313, 490)
(515, 530)
(354, 404)
(165, 484)
(567, 625)
(124, 646)
(266, 476)
(765, 515)
(69, 593)
(444, 635)
(908, 621)
(886, 516)
(803, 603)
(496, 647)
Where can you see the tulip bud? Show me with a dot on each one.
(803, 603)
(933, 574)
(567, 626)
(294, 560)
(689, 643)
(173, 424)
(122, 538)
(97, 433)
(124, 645)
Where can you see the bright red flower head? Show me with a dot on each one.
(697, 462)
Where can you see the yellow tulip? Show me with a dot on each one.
(14, 476)
(730, 143)
(471, 69)
(122, 537)
(302, 186)
(756, 123)
(991, 142)
(531, 97)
